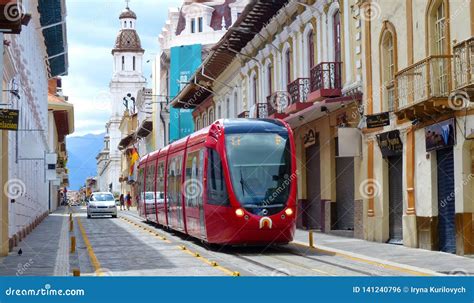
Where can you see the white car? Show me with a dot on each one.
(101, 204)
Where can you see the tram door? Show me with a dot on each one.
(311, 212)
(160, 192)
(193, 191)
(446, 203)
(175, 171)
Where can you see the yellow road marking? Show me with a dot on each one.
(347, 256)
(95, 262)
(184, 248)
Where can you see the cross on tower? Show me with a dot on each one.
(127, 2)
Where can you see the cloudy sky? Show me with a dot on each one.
(92, 29)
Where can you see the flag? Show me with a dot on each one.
(134, 157)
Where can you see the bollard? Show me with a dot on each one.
(71, 226)
(311, 241)
(73, 245)
(76, 272)
(70, 217)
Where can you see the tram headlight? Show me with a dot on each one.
(239, 212)
(288, 211)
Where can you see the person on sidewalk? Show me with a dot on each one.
(122, 202)
(128, 200)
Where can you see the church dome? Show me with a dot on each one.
(128, 41)
(128, 14)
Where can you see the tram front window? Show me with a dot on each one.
(260, 168)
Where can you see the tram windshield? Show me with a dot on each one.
(260, 168)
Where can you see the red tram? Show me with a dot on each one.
(233, 182)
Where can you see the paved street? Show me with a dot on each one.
(127, 246)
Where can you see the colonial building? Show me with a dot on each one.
(127, 80)
(33, 52)
(294, 61)
(418, 152)
(186, 39)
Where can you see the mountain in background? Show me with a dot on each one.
(81, 158)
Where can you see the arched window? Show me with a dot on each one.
(219, 112)
(125, 24)
(310, 49)
(236, 104)
(204, 120)
(134, 61)
(123, 62)
(288, 66)
(438, 45)
(227, 106)
(388, 66)
(211, 116)
(198, 124)
(131, 24)
(254, 90)
(269, 79)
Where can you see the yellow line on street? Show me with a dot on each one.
(183, 248)
(347, 256)
(95, 262)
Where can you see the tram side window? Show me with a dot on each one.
(193, 190)
(216, 188)
(174, 181)
(140, 182)
(160, 181)
(149, 187)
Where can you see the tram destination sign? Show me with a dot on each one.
(9, 119)
(378, 120)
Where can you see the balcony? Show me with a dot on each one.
(325, 81)
(298, 91)
(277, 103)
(422, 89)
(260, 111)
(464, 65)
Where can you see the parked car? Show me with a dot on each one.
(101, 204)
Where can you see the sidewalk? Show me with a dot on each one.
(436, 261)
(45, 250)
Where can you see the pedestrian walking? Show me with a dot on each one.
(128, 200)
(122, 202)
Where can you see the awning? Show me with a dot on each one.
(125, 142)
(53, 23)
(63, 115)
(254, 17)
(145, 129)
(320, 109)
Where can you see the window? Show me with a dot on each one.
(160, 179)
(227, 106)
(440, 33)
(194, 178)
(439, 47)
(254, 89)
(311, 49)
(123, 63)
(198, 124)
(134, 60)
(269, 79)
(219, 112)
(388, 70)
(148, 197)
(131, 26)
(211, 116)
(125, 24)
(288, 65)
(200, 24)
(236, 104)
(193, 25)
(174, 181)
(216, 187)
(204, 120)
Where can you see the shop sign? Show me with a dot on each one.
(390, 143)
(309, 138)
(378, 120)
(440, 135)
(9, 119)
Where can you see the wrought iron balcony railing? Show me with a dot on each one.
(427, 79)
(326, 76)
(244, 114)
(464, 64)
(299, 90)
